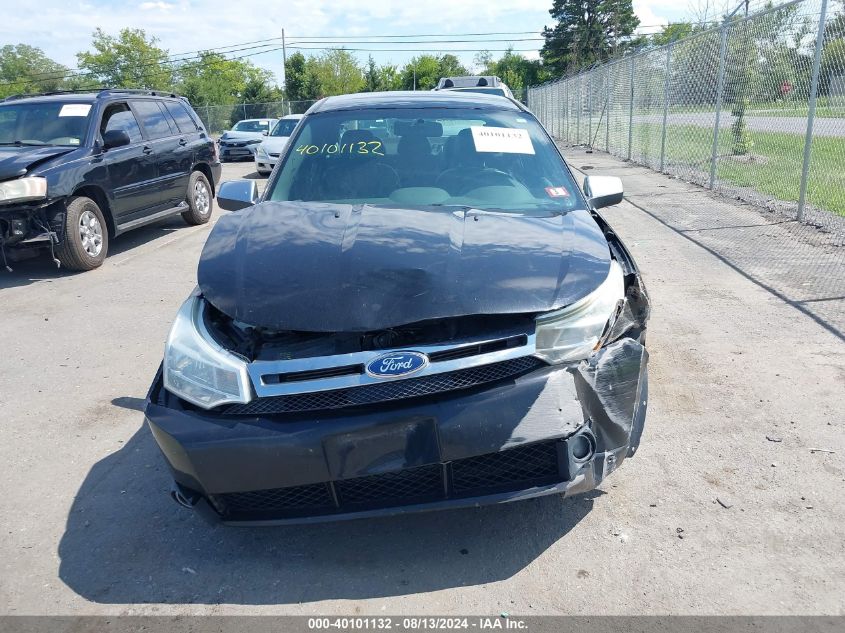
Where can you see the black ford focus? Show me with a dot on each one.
(422, 311)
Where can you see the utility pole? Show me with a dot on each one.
(284, 63)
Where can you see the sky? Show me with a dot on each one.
(61, 28)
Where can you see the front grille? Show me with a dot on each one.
(388, 391)
(415, 484)
(311, 497)
(526, 463)
(508, 470)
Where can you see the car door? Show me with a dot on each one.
(170, 154)
(131, 170)
(189, 145)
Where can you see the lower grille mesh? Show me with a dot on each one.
(388, 391)
(512, 469)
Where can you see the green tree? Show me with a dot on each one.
(587, 31)
(372, 80)
(300, 82)
(389, 77)
(423, 72)
(672, 32)
(337, 72)
(25, 69)
(130, 60)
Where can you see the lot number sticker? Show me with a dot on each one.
(75, 109)
(373, 148)
(506, 140)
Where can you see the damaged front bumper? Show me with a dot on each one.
(27, 227)
(554, 429)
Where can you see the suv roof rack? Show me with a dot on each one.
(99, 92)
(137, 91)
(469, 81)
(27, 95)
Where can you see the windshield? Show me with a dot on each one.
(485, 159)
(486, 91)
(45, 123)
(284, 127)
(251, 126)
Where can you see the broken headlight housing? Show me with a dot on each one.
(196, 368)
(571, 333)
(23, 189)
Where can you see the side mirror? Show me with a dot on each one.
(603, 191)
(237, 194)
(265, 133)
(116, 138)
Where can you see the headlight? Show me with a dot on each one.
(198, 369)
(23, 189)
(262, 152)
(253, 141)
(571, 333)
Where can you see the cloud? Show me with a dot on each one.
(150, 6)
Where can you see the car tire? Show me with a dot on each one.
(200, 200)
(86, 235)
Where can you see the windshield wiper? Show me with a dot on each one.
(22, 143)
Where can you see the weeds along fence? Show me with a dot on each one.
(218, 118)
(754, 109)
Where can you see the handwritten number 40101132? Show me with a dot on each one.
(359, 147)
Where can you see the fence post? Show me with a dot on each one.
(665, 106)
(578, 114)
(631, 112)
(811, 113)
(720, 88)
(566, 109)
(590, 111)
(606, 110)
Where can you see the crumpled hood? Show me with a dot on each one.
(241, 136)
(336, 267)
(16, 161)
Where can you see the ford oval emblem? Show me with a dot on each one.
(396, 364)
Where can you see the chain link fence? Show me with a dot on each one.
(219, 118)
(754, 109)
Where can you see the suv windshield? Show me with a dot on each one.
(251, 126)
(284, 127)
(485, 159)
(45, 123)
(486, 91)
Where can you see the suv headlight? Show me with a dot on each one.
(253, 141)
(23, 189)
(196, 368)
(572, 332)
(262, 152)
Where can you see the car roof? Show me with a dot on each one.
(70, 97)
(415, 99)
(268, 118)
(88, 97)
(293, 116)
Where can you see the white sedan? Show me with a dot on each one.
(271, 147)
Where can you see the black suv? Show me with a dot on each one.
(77, 169)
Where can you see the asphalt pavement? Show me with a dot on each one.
(726, 509)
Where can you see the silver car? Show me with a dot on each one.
(274, 144)
(243, 139)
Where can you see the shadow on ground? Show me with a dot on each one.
(127, 542)
(41, 267)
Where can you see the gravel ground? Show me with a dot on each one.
(724, 510)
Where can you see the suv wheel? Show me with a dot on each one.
(86, 235)
(199, 200)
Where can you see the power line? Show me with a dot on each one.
(525, 39)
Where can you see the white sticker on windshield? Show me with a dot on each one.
(75, 109)
(501, 139)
